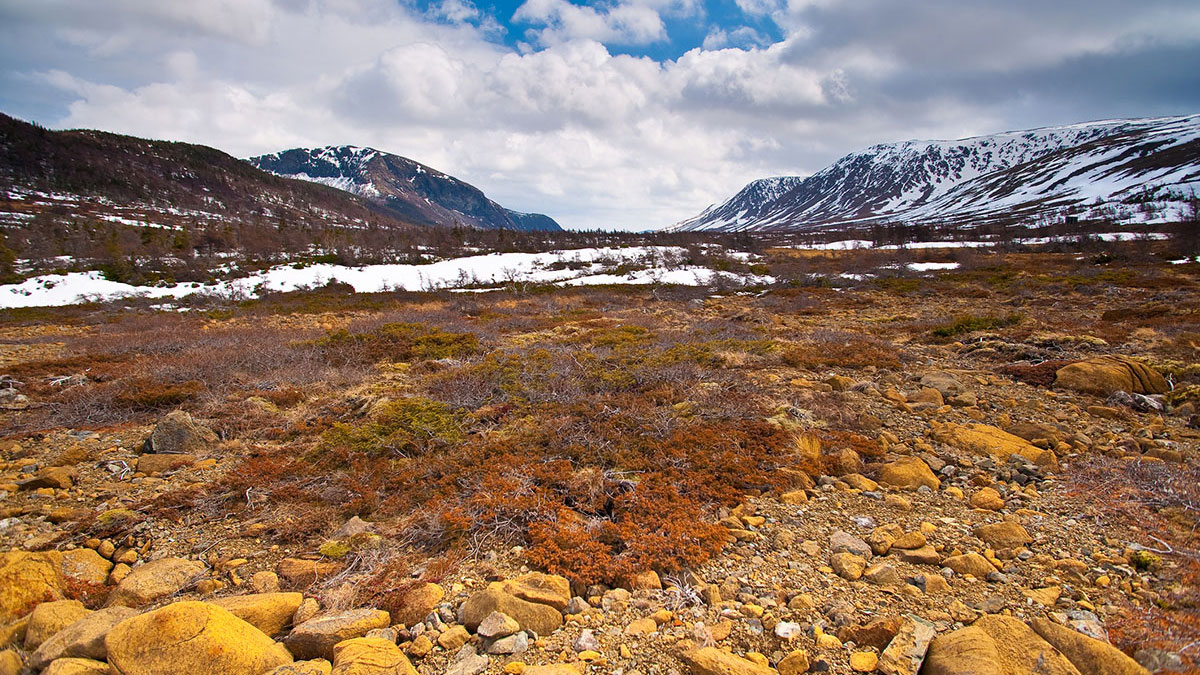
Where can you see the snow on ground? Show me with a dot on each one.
(856, 244)
(932, 266)
(589, 266)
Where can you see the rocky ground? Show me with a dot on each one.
(956, 507)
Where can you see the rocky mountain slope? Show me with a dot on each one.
(1138, 170)
(75, 177)
(409, 189)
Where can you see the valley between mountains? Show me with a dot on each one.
(932, 410)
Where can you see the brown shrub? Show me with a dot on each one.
(1037, 374)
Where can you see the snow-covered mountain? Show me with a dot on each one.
(1110, 167)
(410, 190)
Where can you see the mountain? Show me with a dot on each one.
(408, 189)
(78, 178)
(1113, 168)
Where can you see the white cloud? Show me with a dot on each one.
(625, 23)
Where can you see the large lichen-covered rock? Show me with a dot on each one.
(713, 661)
(906, 651)
(908, 473)
(316, 637)
(192, 638)
(370, 656)
(155, 580)
(49, 618)
(544, 589)
(85, 565)
(967, 650)
(75, 666)
(1020, 649)
(82, 639)
(1104, 375)
(26, 580)
(268, 612)
(983, 439)
(1088, 654)
(179, 434)
(539, 618)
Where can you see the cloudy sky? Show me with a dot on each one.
(623, 114)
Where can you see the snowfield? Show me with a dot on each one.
(579, 267)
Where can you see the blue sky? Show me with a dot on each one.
(627, 114)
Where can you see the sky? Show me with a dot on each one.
(624, 114)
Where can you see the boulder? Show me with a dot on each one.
(1020, 649)
(86, 566)
(945, 383)
(876, 634)
(49, 618)
(967, 650)
(497, 625)
(179, 434)
(1104, 375)
(82, 639)
(1088, 654)
(370, 656)
(970, 563)
(541, 619)
(1005, 534)
(300, 573)
(10, 663)
(73, 666)
(155, 580)
(847, 565)
(841, 541)
(27, 579)
(983, 439)
(549, 589)
(713, 661)
(268, 612)
(193, 638)
(987, 499)
(417, 603)
(316, 637)
(53, 477)
(908, 473)
(310, 667)
(906, 651)
(925, 555)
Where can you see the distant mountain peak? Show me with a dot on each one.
(1014, 175)
(409, 189)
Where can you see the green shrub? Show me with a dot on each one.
(969, 323)
(407, 427)
(397, 342)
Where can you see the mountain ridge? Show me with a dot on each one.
(405, 187)
(1012, 175)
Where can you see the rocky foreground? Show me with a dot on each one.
(982, 518)
(959, 555)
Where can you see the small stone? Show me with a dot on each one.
(454, 638)
(794, 663)
(497, 625)
(847, 565)
(643, 626)
(863, 662)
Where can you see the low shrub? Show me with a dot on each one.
(970, 323)
(396, 342)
